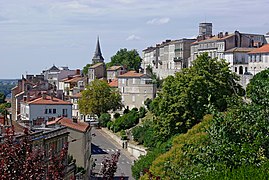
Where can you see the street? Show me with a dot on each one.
(103, 145)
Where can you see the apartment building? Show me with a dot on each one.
(135, 88)
(259, 59)
(168, 57)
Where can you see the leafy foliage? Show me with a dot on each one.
(104, 119)
(257, 89)
(99, 98)
(2, 97)
(127, 58)
(126, 121)
(184, 97)
(20, 160)
(109, 166)
(86, 69)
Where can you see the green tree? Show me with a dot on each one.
(257, 89)
(85, 69)
(184, 97)
(104, 119)
(99, 98)
(2, 97)
(127, 58)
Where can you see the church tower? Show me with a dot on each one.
(97, 58)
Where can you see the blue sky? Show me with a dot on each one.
(35, 34)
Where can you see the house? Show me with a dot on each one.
(75, 108)
(38, 111)
(259, 59)
(238, 59)
(168, 57)
(72, 85)
(54, 74)
(80, 138)
(216, 46)
(31, 87)
(135, 88)
(114, 71)
(96, 71)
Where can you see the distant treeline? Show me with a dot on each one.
(6, 89)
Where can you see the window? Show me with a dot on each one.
(54, 111)
(50, 111)
(65, 112)
(133, 98)
(246, 69)
(46, 111)
(235, 69)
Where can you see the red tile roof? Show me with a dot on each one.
(50, 101)
(263, 49)
(113, 83)
(214, 38)
(72, 79)
(80, 126)
(113, 68)
(131, 74)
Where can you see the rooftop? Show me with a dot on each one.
(48, 100)
(239, 49)
(263, 49)
(113, 68)
(96, 65)
(80, 126)
(131, 74)
(113, 83)
(73, 79)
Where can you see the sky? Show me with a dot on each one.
(35, 34)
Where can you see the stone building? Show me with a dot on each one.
(168, 57)
(135, 88)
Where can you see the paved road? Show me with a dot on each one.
(103, 145)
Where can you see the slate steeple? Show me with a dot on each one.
(97, 58)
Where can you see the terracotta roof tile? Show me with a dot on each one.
(113, 83)
(239, 49)
(131, 74)
(80, 126)
(96, 65)
(263, 49)
(73, 79)
(49, 100)
(113, 68)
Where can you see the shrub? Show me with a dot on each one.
(126, 110)
(116, 115)
(104, 119)
(126, 121)
(142, 112)
(109, 125)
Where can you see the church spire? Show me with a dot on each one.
(97, 58)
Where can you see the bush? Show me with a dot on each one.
(142, 112)
(126, 121)
(134, 109)
(116, 115)
(104, 119)
(123, 135)
(109, 125)
(126, 111)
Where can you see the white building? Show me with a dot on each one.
(217, 45)
(54, 75)
(167, 58)
(135, 88)
(43, 109)
(259, 59)
(238, 59)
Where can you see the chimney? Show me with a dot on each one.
(77, 71)
(226, 33)
(43, 96)
(75, 120)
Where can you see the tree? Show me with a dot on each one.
(99, 98)
(85, 69)
(109, 166)
(104, 119)
(257, 89)
(184, 97)
(2, 97)
(20, 160)
(129, 59)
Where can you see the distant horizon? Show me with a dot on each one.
(37, 34)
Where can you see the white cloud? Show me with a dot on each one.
(133, 38)
(159, 21)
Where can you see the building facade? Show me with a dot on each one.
(80, 138)
(258, 59)
(135, 88)
(96, 71)
(114, 71)
(168, 57)
(37, 112)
